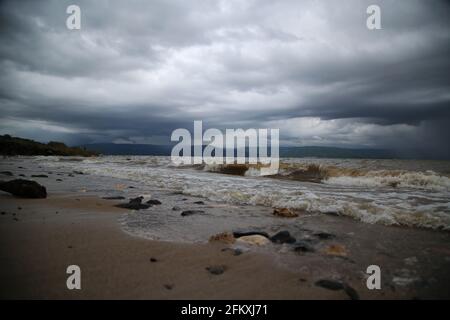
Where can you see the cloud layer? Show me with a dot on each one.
(139, 69)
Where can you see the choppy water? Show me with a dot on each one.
(391, 192)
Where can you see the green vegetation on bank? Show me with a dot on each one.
(13, 146)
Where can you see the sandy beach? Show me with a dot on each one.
(125, 254)
(41, 237)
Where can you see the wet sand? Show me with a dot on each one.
(52, 233)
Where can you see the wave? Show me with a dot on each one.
(333, 175)
(388, 196)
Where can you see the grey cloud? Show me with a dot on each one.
(140, 69)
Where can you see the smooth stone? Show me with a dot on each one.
(216, 270)
(191, 212)
(282, 237)
(154, 201)
(238, 234)
(256, 240)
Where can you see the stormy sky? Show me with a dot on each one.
(137, 70)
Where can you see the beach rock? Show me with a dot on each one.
(176, 208)
(236, 252)
(78, 172)
(153, 259)
(24, 188)
(21, 175)
(7, 173)
(238, 234)
(39, 176)
(336, 285)
(59, 180)
(284, 212)
(224, 237)
(303, 246)
(199, 202)
(191, 212)
(137, 199)
(351, 292)
(154, 201)
(331, 213)
(336, 250)
(216, 270)
(330, 284)
(254, 240)
(324, 235)
(134, 204)
(282, 237)
(169, 286)
(114, 198)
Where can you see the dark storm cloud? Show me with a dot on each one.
(139, 69)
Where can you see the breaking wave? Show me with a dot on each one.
(333, 175)
(372, 192)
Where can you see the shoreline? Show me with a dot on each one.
(36, 249)
(40, 238)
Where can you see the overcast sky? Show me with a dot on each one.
(139, 69)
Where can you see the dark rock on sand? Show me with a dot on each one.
(114, 198)
(216, 270)
(176, 208)
(134, 204)
(236, 252)
(7, 173)
(191, 212)
(59, 180)
(24, 188)
(332, 213)
(21, 175)
(330, 284)
(39, 176)
(351, 292)
(199, 202)
(282, 237)
(324, 235)
(153, 260)
(336, 285)
(137, 199)
(238, 234)
(303, 246)
(154, 201)
(78, 172)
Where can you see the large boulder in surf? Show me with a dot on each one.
(134, 204)
(24, 188)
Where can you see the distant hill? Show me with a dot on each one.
(13, 146)
(332, 152)
(294, 152)
(129, 149)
